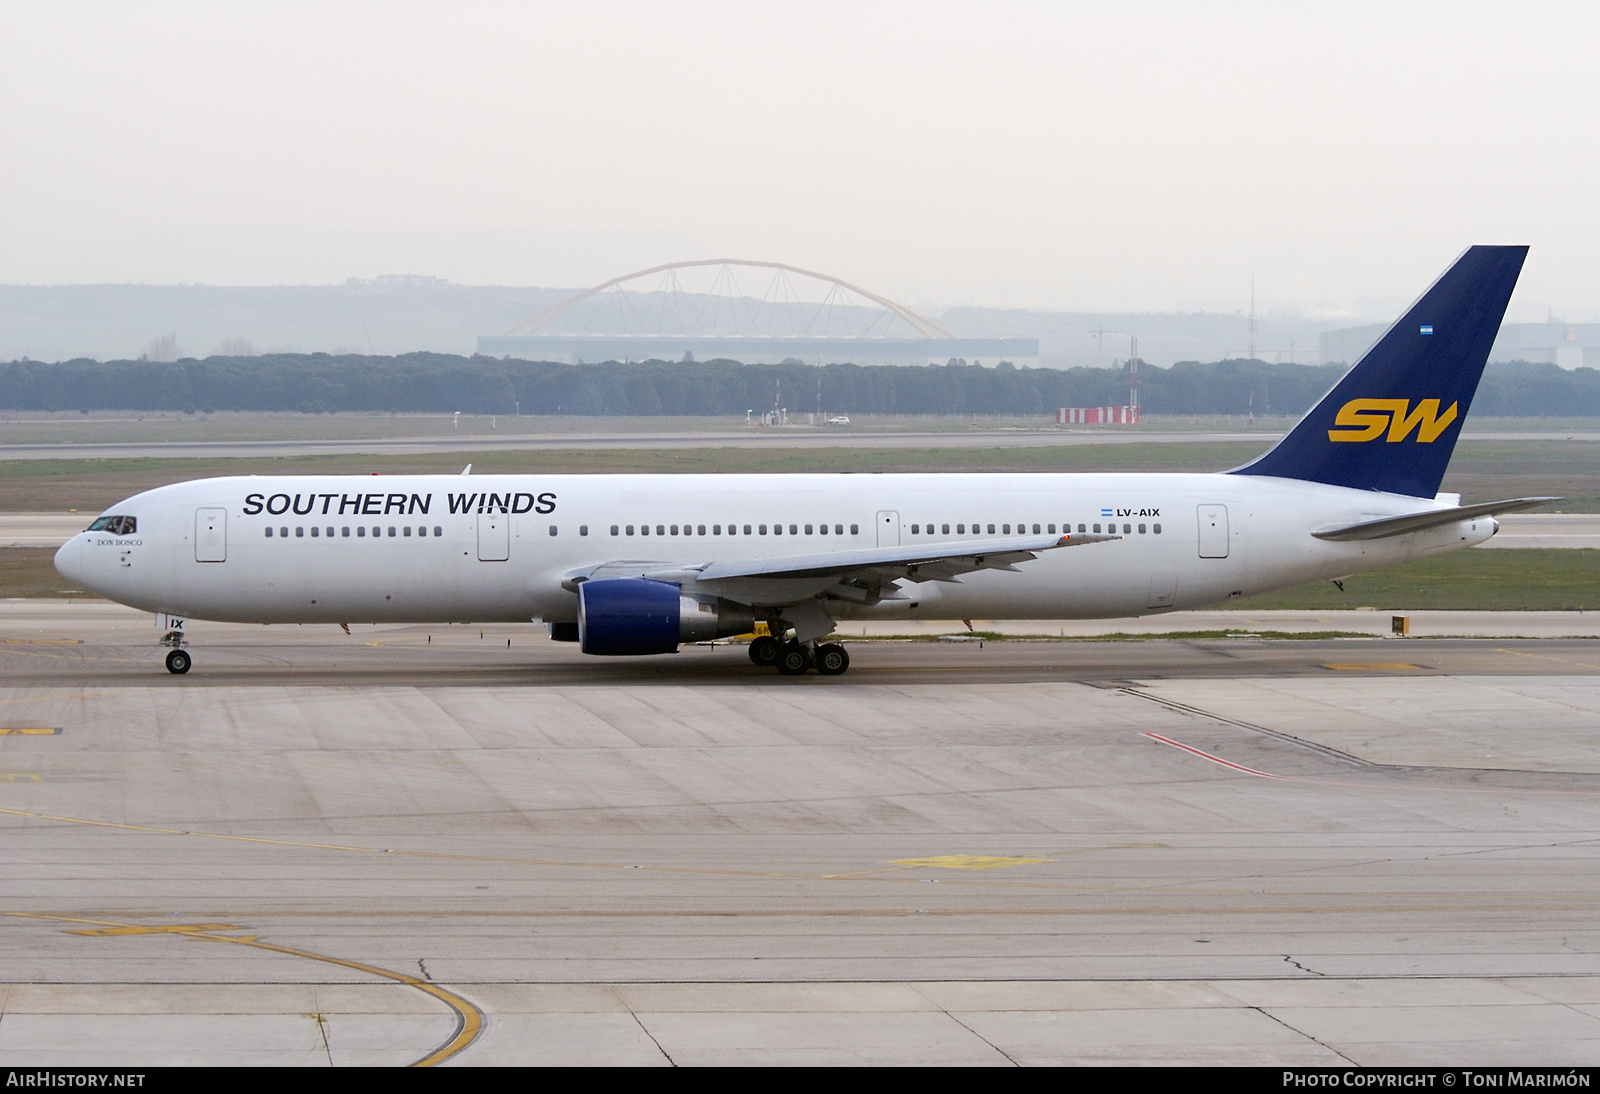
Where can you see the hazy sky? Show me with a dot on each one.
(1075, 156)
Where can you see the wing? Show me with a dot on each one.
(864, 575)
(1432, 518)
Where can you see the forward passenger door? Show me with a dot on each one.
(211, 535)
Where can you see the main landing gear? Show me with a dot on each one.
(795, 658)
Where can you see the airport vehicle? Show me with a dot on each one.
(639, 564)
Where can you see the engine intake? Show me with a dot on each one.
(629, 617)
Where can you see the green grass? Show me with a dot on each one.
(90, 485)
(1471, 580)
(30, 571)
(1480, 471)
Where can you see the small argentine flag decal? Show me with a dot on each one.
(1428, 329)
(1107, 513)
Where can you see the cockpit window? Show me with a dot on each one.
(117, 526)
(100, 525)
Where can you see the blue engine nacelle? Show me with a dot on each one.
(630, 616)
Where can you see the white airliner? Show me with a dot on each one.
(638, 564)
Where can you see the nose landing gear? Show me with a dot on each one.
(178, 660)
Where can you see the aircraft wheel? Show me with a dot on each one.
(764, 651)
(832, 660)
(792, 660)
(178, 662)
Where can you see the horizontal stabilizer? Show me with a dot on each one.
(1385, 527)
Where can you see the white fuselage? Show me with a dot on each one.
(347, 549)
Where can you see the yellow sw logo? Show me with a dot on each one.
(1366, 419)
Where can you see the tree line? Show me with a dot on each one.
(433, 382)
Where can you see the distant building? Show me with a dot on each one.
(1567, 345)
(1097, 415)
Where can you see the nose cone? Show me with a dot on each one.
(69, 560)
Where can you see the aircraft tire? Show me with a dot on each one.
(178, 662)
(832, 660)
(792, 659)
(764, 651)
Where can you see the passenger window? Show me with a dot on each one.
(913, 529)
(269, 532)
(391, 531)
(674, 529)
(1097, 529)
(794, 530)
(314, 531)
(1141, 529)
(991, 529)
(614, 529)
(437, 531)
(1156, 528)
(855, 529)
(361, 532)
(822, 528)
(284, 532)
(644, 529)
(747, 530)
(630, 529)
(808, 529)
(330, 533)
(1050, 528)
(552, 529)
(1081, 529)
(763, 529)
(1036, 529)
(1126, 529)
(700, 530)
(345, 532)
(661, 530)
(838, 529)
(944, 529)
(1005, 529)
(583, 529)
(407, 531)
(961, 529)
(716, 529)
(299, 533)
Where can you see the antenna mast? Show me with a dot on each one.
(1133, 380)
(1252, 355)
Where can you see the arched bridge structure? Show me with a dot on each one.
(743, 310)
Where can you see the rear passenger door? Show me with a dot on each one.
(1213, 531)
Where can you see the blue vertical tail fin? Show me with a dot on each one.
(1391, 423)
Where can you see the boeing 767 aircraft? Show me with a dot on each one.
(638, 564)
